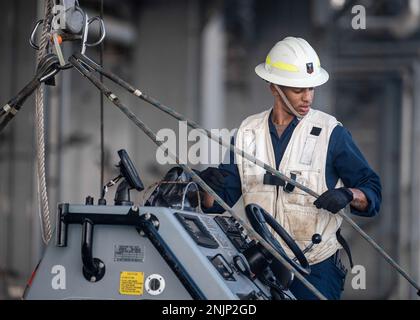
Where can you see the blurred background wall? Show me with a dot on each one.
(198, 56)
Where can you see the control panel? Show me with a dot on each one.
(234, 232)
(187, 255)
(198, 232)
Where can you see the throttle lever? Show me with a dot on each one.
(242, 265)
(316, 239)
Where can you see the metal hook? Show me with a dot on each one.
(102, 31)
(33, 33)
(86, 32)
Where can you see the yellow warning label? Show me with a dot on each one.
(131, 283)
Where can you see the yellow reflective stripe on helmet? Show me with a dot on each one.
(282, 65)
(318, 63)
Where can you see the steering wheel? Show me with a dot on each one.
(259, 218)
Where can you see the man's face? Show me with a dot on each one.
(300, 98)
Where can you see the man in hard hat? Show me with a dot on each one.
(310, 147)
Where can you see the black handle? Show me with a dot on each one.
(93, 268)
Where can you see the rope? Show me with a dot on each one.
(44, 212)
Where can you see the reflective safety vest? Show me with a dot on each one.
(304, 160)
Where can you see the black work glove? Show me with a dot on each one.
(334, 200)
(214, 177)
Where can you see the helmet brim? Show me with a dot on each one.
(314, 81)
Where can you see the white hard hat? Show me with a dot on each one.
(292, 62)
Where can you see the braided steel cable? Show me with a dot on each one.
(44, 212)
